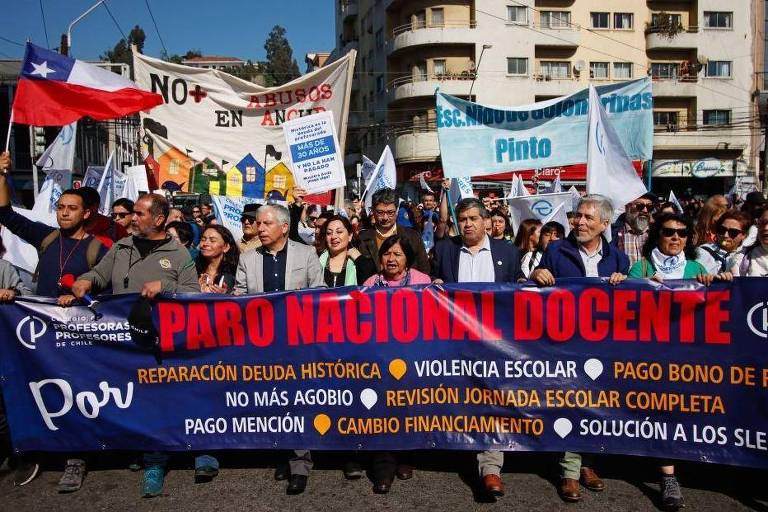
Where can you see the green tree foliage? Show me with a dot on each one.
(122, 50)
(280, 66)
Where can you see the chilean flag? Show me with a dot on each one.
(54, 90)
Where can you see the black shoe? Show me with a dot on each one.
(282, 472)
(297, 484)
(382, 486)
(25, 472)
(352, 470)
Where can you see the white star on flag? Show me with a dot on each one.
(41, 69)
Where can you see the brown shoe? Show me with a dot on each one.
(591, 481)
(569, 490)
(404, 472)
(493, 485)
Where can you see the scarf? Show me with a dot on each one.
(350, 275)
(381, 281)
(670, 267)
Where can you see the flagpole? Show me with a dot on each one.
(8, 135)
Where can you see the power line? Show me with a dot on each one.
(45, 28)
(156, 29)
(10, 41)
(113, 19)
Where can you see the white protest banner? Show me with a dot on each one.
(538, 207)
(314, 152)
(461, 188)
(56, 162)
(385, 176)
(137, 174)
(17, 251)
(111, 186)
(213, 125)
(477, 140)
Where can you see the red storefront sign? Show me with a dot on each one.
(575, 172)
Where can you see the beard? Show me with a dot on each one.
(638, 222)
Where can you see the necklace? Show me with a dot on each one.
(63, 261)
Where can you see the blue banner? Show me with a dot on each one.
(676, 371)
(477, 140)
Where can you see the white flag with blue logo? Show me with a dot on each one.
(111, 186)
(560, 216)
(461, 188)
(539, 207)
(518, 187)
(609, 170)
(385, 176)
(56, 162)
(366, 170)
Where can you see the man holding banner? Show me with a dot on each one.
(585, 253)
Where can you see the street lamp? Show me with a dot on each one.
(66, 45)
(477, 68)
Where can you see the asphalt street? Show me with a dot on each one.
(443, 481)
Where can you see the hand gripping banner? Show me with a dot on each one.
(677, 371)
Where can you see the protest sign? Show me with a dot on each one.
(477, 140)
(676, 371)
(317, 164)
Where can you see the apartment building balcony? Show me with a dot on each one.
(550, 36)
(411, 34)
(349, 9)
(547, 85)
(675, 86)
(658, 39)
(697, 137)
(416, 143)
(455, 84)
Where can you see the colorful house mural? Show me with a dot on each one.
(253, 176)
(207, 178)
(279, 178)
(234, 186)
(175, 167)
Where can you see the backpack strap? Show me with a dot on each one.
(47, 241)
(92, 252)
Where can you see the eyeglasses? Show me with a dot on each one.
(119, 215)
(732, 232)
(247, 220)
(313, 218)
(385, 213)
(643, 207)
(670, 232)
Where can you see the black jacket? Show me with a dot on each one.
(368, 247)
(506, 260)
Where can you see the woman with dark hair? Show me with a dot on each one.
(669, 253)
(217, 261)
(342, 264)
(549, 232)
(500, 228)
(528, 236)
(183, 232)
(704, 231)
(397, 257)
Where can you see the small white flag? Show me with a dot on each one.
(557, 186)
(674, 201)
(576, 197)
(111, 186)
(538, 207)
(385, 176)
(560, 216)
(518, 188)
(461, 188)
(609, 170)
(56, 162)
(366, 170)
(424, 184)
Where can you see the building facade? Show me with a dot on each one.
(705, 58)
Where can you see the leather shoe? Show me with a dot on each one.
(569, 490)
(404, 472)
(493, 485)
(296, 484)
(382, 486)
(282, 472)
(591, 481)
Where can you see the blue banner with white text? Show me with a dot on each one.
(675, 371)
(477, 140)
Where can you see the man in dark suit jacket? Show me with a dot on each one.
(475, 257)
(385, 205)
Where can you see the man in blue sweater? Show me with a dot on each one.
(66, 250)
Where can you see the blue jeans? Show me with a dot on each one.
(161, 459)
(206, 461)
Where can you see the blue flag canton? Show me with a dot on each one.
(42, 64)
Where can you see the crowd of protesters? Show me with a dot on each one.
(149, 248)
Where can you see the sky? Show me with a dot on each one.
(236, 28)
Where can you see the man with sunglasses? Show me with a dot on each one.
(250, 238)
(731, 230)
(633, 231)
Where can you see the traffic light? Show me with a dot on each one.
(39, 141)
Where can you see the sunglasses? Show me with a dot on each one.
(732, 232)
(247, 220)
(642, 207)
(670, 232)
(121, 215)
(313, 218)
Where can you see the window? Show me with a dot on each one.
(438, 17)
(622, 70)
(555, 19)
(598, 70)
(714, 19)
(517, 66)
(674, 20)
(599, 19)
(438, 67)
(419, 20)
(517, 14)
(555, 69)
(668, 121)
(717, 117)
(719, 68)
(420, 72)
(662, 70)
(379, 39)
(623, 21)
(380, 83)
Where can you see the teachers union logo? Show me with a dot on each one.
(542, 208)
(29, 330)
(757, 319)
